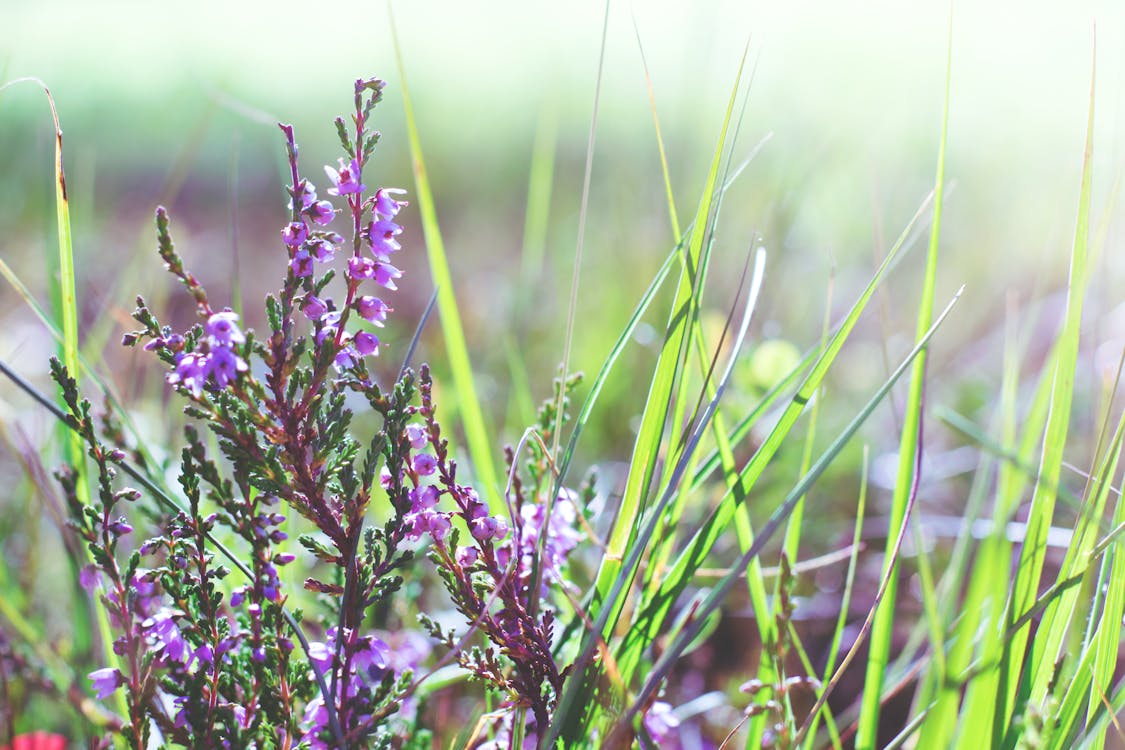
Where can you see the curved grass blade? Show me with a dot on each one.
(908, 447)
(653, 610)
(715, 597)
(1039, 519)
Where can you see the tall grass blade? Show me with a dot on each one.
(1043, 500)
(716, 595)
(866, 732)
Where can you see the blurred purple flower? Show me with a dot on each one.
(385, 205)
(190, 372)
(321, 212)
(372, 309)
(225, 365)
(106, 681)
(366, 344)
(222, 329)
(295, 233)
(346, 179)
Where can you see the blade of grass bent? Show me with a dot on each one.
(867, 730)
(1040, 515)
(573, 690)
(845, 604)
(468, 402)
(646, 448)
(653, 610)
(715, 597)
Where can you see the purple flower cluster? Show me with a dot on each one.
(367, 657)
(216, 359)
(379, 237)
(561, 537)
(306, 243)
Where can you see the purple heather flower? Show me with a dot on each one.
(661, 723)
(120, 527)
(416, 434)
(371, 662)
(366, 344)
(360, 267)
(372, 309)
(385, 274)
(166, 636)
(191, 372)
(322, 249)
(346, 180)
(381, 236)
(321, 212)
(225, 365)
(314, 307)
(301, 263)
(385, 205)
(424, 464)
(307, 193)
(222, 329)
(89, 577)
(106, 681)
(284, 558)
(488, 527)
(295, 233)
(466, 556)
(438, 526)
(423, 498)
(345, 358)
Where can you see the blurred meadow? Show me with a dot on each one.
(178, 106)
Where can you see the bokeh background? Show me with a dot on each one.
(177, 105)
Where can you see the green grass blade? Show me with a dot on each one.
(645, 450)
(468, 402)
(1043, 500)
(716, 595)
(653, 611)
(866, 732)
(845, 605)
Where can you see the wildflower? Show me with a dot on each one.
(314, 308)
(416, 434)
(224, 366)
(661, 723)
(385, 274)
(360, 267)
(222, 330)
(301, 263)
(106, 681)
(385, 205)
(366, 344)
(190, 372)
(381, 236)
(424, 464)
(321, 249)
(372, 309)
(295, 233)
(321, 212)
(423, 498)
(168, 642)
(120, 527)
(346, 180)
(307, 194)
(467, 555)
